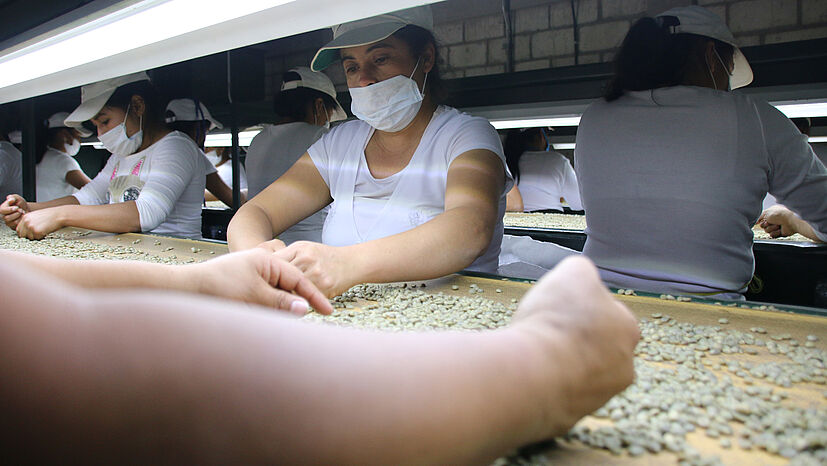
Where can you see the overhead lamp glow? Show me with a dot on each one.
(226, 139)
(803, 110)
(569, 120)
(817, 139)
(146, 23)
(95, 145)
(564, 146)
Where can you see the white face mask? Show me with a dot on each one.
(389, 105)
(73, 148)
(117, 142)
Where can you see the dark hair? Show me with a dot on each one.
(293, 103)
(155, 103)
(651, 57)
(516, 143)
(417, 39)
(803, 124)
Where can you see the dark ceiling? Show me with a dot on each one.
(19, 16)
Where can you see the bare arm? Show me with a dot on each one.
(460, 234)
(114, 218)
(174, 378)
(77, 178)
(514, 200)
(251, 276)
(296, 195)
(780, 221)
(217, 190)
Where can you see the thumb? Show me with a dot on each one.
(282, 300)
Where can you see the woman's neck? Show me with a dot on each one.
(152, 134)
(411, 133)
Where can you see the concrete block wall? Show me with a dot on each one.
(472, 32)
(543, 34)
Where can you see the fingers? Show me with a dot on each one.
(287, 277)
(280, 299)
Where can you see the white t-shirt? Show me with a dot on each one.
(365, 208)
(672, 182)
(11, 172)
(225, 171)
(51, 175)
(171, 172)
(273, 151)
(545, 177)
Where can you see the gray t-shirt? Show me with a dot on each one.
(11, 174)
(272, 152)
(672, 182)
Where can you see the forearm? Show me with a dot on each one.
(61, 201)
(114, 218)
(185, 369)
(447, 244)
(108, 274)
(805, 229)
(249, 227)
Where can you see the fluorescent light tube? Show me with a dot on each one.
(150, 22)
(563, 146)
(569, 120)
(802, 110)
(817, 139)
(226, 139)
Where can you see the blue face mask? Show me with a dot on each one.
(548, 143)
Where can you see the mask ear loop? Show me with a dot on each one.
(425, 81)
(709, 70)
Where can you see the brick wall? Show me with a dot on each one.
(472, 32)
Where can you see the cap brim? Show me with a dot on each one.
(339, 114)
(215, 124)
(355, 38)
(84, 133)
(88, 109)
(741, 71)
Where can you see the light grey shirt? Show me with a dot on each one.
(11, 174)
(672, 182)
(272, 152)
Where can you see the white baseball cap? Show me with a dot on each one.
(16, 137)
(369, 30)
(703, 22)
(58, 120)
(94, 96)
(185, 110)
(317, 81)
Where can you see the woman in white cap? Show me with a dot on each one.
(192, 118)
(307, 105)
(58, 173)
(417, 189)
(153, 181)
(673, 168)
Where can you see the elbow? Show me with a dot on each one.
(475, 244)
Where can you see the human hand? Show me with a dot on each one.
(778, 221)
(587, 341)
(322, 264)
(12, 210)
(273, 245)
(257, 276)
(39, 223)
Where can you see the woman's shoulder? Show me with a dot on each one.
(450, 121)
(175, 141)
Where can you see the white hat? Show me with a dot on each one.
(58, 120)
(317, 81)
(16, 137)
(700, 21)
(185, 110)
(370, 30)
(94, 96)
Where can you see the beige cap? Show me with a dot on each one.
(317, 81)
(58, 120)
(94, 96)
(185, 110)
(369, 30)
(700, 21)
